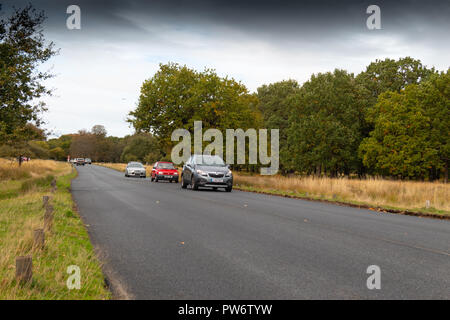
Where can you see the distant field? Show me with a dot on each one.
(398, 195)
(21, 211)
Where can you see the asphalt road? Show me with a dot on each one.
(163, 242)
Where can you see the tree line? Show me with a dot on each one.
(392, 119)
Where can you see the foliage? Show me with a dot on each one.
(141, 147)
(22, 49)
(411, 130)
(176, 96)
(275, 105)
(325, 125)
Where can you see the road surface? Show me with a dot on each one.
(163, 242)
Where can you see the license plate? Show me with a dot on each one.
(169, 176)
(216, 180)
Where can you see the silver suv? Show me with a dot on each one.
(206, 171)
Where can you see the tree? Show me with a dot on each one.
(391, 75)
(276, 106)
(411, 131)
(57, 154)
(139, 146)
(83, 145)
(176, 96)
(62, 142)
(325, 126)
(99, 130)
(22, 49)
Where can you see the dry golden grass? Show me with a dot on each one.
(373, 192)
(119, 166)
(10, 169)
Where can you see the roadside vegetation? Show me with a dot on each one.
(375, 193)
(66, 243)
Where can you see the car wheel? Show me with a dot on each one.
(151, 179)
(156, 179)
(215, 188)
(194, 186)
(183, 183)
(228, 189)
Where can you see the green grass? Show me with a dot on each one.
(67, 243)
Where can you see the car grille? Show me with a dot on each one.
(216, 175)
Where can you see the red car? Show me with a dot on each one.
(164, 171)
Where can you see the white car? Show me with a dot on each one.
(135, 169)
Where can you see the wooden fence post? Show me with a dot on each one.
(53, 184)
(45, 200)
(48, 217)
(38, 239)
(24, 268)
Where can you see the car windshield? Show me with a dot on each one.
(135, 165)
(165, 166)
(208, 160)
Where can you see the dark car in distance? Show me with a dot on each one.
(206, 171)
(163, 170)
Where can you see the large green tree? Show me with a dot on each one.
(325, 124)
(275, 102)
(392, 75)
(176, 96)
(411, 131)
(141, 147)
(23, 49)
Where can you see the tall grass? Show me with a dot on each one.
(30, 176)
(10, 169)
(374, 192)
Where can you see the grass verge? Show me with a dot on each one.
(404, 197)
(67, 243)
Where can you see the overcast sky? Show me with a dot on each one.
(101, 67)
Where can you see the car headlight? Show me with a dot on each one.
(176, 173)
(202, 173)
(228, 174)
